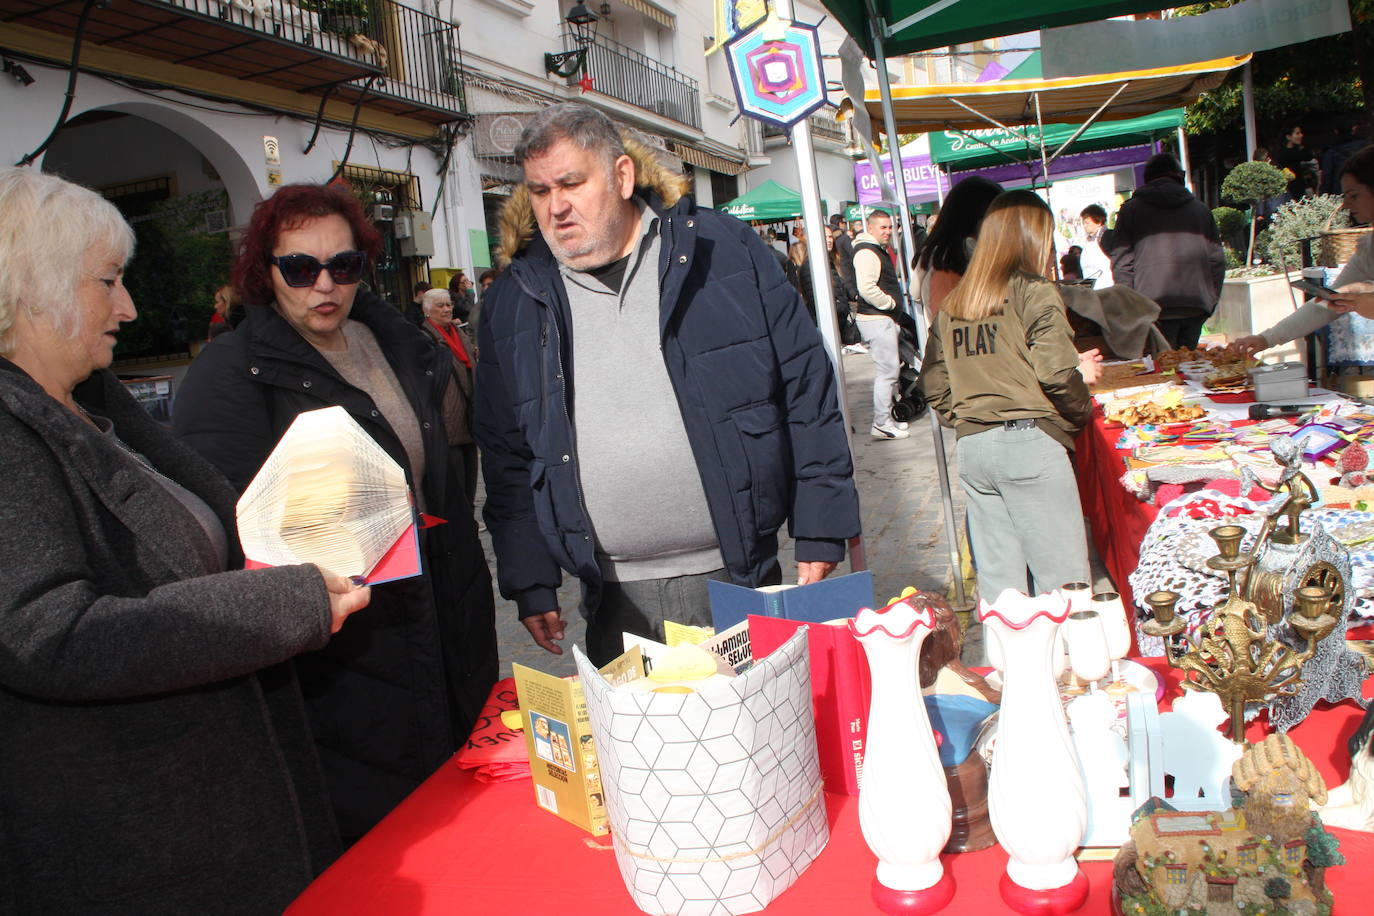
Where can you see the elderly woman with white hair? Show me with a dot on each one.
(154, 756)
(437, 306)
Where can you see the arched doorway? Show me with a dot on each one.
(183, 189)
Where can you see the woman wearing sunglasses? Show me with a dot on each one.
(394, 698)
(153, 750)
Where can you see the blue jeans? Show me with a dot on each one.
(1023, 511)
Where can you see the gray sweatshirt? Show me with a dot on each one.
(640, 482)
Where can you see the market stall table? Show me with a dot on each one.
(1117, 520)
(460, 846)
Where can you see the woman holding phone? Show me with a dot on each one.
(1354, 288)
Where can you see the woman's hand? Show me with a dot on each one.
(344, 598)
(1249, 346)
(1090, 365)
(1354, 297)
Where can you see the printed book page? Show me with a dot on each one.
(329, 495)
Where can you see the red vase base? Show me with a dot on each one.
(914, 903)
(1055, 901)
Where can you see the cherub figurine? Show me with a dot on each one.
(1300, 493)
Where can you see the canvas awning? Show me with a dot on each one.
(907, 26)
(769, 202)
(960, 150)
(1130, 94)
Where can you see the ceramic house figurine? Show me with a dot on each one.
(1268, 856)
(904, 804)
(1036, 797)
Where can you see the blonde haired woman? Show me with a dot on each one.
(1002, 370)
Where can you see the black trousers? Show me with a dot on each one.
(641, 607)
(1182, 332)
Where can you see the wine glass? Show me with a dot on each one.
(1087, 643)
(1108, 605)
(1079, 595)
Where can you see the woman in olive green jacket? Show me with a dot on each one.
(1002, 370)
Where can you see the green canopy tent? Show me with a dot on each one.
(961, 150)
(889, 28)
(770, 202)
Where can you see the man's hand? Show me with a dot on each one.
(1090, 365)
(813, 572)
(546, 629)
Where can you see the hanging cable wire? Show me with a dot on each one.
(353, 127)
(72, 70)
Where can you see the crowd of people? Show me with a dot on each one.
(648, 398)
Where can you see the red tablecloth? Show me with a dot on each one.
(1117, 520)
(459, 846)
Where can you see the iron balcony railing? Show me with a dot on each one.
(823, 126)
(630, 76)
(414, 60)
(421, 56)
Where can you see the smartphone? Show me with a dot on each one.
(1314, 290)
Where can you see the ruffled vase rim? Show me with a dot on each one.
(891, 622)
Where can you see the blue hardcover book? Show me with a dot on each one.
(837, 596)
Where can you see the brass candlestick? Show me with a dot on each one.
(1234, 656)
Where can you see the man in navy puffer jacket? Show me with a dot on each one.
(652, 401)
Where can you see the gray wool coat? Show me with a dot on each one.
(154, 754)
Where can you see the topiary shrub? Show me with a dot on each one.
(1252, 181)
(1230, 221)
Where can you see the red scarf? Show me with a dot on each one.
(454, 340)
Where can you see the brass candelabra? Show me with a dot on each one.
(1232, 655)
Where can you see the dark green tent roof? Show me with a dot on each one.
(961, 152)
(917, 25)
(768, 202)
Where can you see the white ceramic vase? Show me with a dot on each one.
(1036, 799)
(904, 805)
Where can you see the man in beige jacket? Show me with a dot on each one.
(879, 299)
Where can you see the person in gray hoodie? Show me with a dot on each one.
(1166, 247)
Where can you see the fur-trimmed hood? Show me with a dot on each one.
(516, 221)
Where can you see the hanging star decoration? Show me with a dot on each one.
(585, 82)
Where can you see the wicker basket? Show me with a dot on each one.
(1338, 245)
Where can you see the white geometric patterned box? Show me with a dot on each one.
(715, 797)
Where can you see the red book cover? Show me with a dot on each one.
(840, 692)
(401, 561)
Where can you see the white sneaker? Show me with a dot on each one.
(902, 425)
(855, 348)
(888, 432)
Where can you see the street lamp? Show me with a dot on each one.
(583, 22)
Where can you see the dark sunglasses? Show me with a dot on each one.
(303, 270)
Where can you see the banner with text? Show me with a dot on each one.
(920, 173)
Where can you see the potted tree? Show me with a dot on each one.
(1252, 182)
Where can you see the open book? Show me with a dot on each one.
(330, 495)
